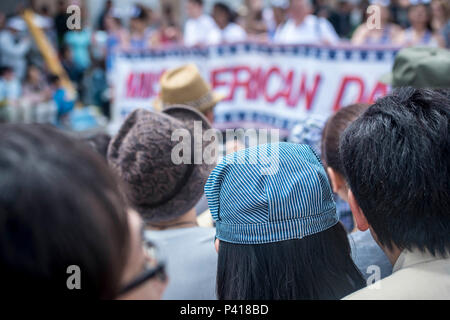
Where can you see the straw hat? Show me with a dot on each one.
(185, 85)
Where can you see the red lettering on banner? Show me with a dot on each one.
(215, 82)
(272, 71)
(256, 84)
(344, 84)
(142, 84)
(309, 95)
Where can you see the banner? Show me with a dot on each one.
(265, 86)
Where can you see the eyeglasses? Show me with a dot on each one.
(154, 267)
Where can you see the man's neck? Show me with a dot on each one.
(298, 19)
(392, 254)
(189, 219)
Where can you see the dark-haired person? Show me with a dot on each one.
(227, 30)
(396, 161)
(277, 232)
(64, 228)
(198, 25)
(140, 34)
(420, 33)
(164, 190)
(365, 251)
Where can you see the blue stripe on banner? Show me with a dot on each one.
(348, 54)
(318, 52)
(380, 55)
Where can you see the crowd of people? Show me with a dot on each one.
(127, 215)
(28, 92)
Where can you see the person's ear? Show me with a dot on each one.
(358, 214)
(333, 179)
(338, 183)
(216, 245)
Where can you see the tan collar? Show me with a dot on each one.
(409, 258)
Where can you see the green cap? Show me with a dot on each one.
(420, 67)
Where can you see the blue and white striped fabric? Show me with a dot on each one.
(270, 193)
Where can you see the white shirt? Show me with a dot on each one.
(416, 275)
(232, 33)
(13, 52)
(196, 31)
(312, 30)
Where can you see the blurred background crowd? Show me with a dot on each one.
(30, 93)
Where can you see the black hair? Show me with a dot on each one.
(5, 69)
(396, 158)
(225, 9)
(99, 142)
(60, 205)
(318, 266)
(197, 2)
(53, 79)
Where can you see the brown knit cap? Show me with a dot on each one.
(140, 153)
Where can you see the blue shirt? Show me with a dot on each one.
(79, 42)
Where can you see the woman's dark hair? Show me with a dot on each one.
(396, 157)
(334, 127)
(318, 266)
(225, 9)
(197, 2)
(59, 206)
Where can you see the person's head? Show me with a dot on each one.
(194, 8)
(334, 127)
(33, 74)
(396, 161)
(61, 6)
(419, 16)
(222, 14)
(112, 23)
(16, 25)
(108, 4)
(185, 85)
(54, 81)
(277, 232)
(60, 211)
(300, 8)
(66, 53)
(440, 9)
(7, 73)
(139, 19)
(163, 161)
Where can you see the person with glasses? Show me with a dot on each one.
(145, 276)
(165, 190)
(64, 227)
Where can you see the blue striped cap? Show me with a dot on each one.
(269, 193)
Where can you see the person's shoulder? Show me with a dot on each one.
(417, 282)
(390, 288)
(207, 232)
(206, 18)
